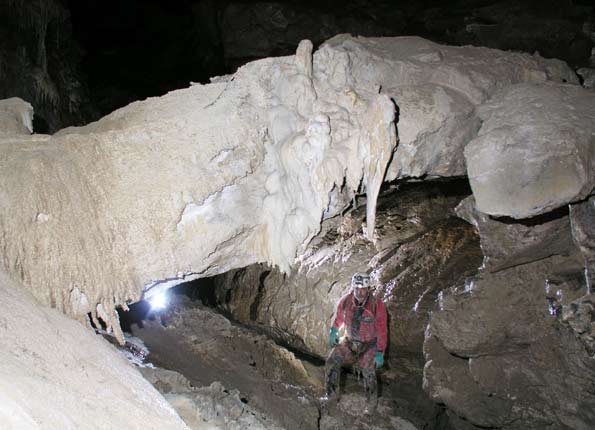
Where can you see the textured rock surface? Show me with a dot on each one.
(508, 242)
(436, 89)
(588, 76)
(56, 374)
(499, 356)
(238, 379)
(206, 408)
(535, 151)
(166, 189)
(206, 348)
(16, 117)
(419, 251)
(242, 171)
(582, 220)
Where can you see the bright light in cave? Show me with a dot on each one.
(158, 301)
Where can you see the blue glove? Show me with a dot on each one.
(333, 336)
(379, 359)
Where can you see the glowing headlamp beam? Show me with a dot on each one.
(158, 301)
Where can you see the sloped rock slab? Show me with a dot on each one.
(498, 356)
(208, 407)
(206, 348)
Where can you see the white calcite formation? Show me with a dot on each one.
(220, 176)
(437, 89)
(244, 170)
(191, 184)
(56, 375)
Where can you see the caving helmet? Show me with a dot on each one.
(360, 280)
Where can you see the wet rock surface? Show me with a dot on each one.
(506, 242)
(420, 249)
(499, 356)
(217, 374)
(206, 348)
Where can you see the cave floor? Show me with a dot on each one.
(272, 387)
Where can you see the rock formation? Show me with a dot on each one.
(192, 184)
(55, 374)
(420, 247)
(246, 169)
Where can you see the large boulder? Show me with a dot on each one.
(535, 150)
(436, 89)
(16, 117)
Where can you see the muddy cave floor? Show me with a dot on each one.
(219, 374)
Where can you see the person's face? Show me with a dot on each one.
(360, 294)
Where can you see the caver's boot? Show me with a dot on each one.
(371, 387)
(332, 387)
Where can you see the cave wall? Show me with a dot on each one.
(40, 63)
(220, 176)
(420, 247)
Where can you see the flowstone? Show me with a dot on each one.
(191, 184)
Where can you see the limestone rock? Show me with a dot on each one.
(57, 374)
(508, 242)
(580, 315)
(420, 249)
(498, 357)
(191, 184)
(16, 117)
(535, 150)
(263, 379)
(582, 220)
(212, 407)
(436, 89)
(588, 76)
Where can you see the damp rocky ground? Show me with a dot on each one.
(219, 374)
(254, 357)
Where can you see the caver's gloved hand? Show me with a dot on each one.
(333, 336)
(379, 359)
